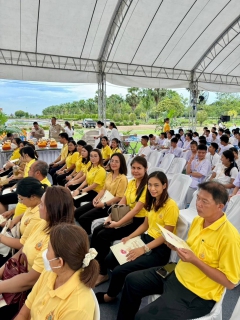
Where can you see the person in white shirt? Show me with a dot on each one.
(145, 150)
(198, 170)
(102, 133)
(152, 141)
(68, 129)
(167, 142)
(236, 157)
(220, 132)
(182, 136)
(224, 144)
(196, 137)
(208, 136)
(161, 140)
(174, 149)
(212, 155)
(233, 140)
(114, 132)
(192, 153)
(186, 145)
(215, 137)
(226, 171)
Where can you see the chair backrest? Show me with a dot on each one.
(127, 156)
(182, 231)
(166, 162)
(232, 211)
(149, 165)
(154, 158)
(152, 169)
(97, 309)
(178, 189)
(177, 165)
(194, 199)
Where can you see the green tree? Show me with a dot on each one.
(3, 118)
(133, 98)
(19, 114)
(202, 116)
(132, 117)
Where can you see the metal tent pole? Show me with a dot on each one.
(101, 94)
(193, 87)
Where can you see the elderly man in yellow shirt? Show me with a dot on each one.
(201, 275)
(60, 161)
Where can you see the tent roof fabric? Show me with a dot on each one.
(157, 43)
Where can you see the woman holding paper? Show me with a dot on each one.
(161, 210)
(94, 180)
(116, 183)
(134, 197)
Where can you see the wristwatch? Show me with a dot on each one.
(104, 205)
(147, 250)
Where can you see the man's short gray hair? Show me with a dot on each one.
(41, 166)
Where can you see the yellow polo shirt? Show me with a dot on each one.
(217, 245)
(165, 216)
(116, 150)
(16, 154)
(85, 167)
(78, 163)
(21, 208)
(131, 195)
(27, 168)
(72, 300)
(34, 246)
(118, 186)
(106, 152)
(28, 221)
(71, 159)
(166, 127)
(96, 175)
(64, 151)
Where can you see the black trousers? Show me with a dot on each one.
(176, 301)
(9, 198)
(87, 198)
(87, 213)
(61, 178)
(9, 312)
(52, 169)
(6, 172)
(159, 256)
(102, 239)
(74, 187)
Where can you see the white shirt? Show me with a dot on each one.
(213, 159)
(160, 141)
(114, 134)
(201, 166)
(186, 145)
(144, 151)
(233, 141)
(216, 141)
(69, 131)
(167, 143)
(177, 152)
(224, 148)
(220, 174)
(196, 139)
(103, 132)
(209, 139)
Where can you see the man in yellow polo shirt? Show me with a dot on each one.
(60, 161)
(200, 276)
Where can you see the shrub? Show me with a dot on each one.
(130, 123)
(137, 123)
(125, 123)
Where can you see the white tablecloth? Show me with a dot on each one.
(47, 155)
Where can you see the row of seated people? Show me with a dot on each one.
(149, 204)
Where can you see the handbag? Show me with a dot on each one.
(13, 233)
(13, 267)
(118, 211)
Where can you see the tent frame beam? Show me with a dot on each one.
(101, 94)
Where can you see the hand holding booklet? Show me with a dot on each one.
(120, 250)
(80, 195)
(173, 239)
(106, 197)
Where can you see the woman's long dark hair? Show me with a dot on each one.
(143, 162)
(151, 202)
(228, 154)
(89, 148)
(123, 166)
(29, 151)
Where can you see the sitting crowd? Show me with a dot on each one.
(66, 229)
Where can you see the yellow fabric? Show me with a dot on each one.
(28, 221)
(46, 181)
(116, 187)
(96, 175)
(71, 301)
(34, 246)
(27, 168)
(217, 245)
(85, 167)
(106, 152)
(71, 159)
(64, 151)
(16, 154)
(78, 163)
(165, 216)
(131, 195)
(166, 127)
(116, 150)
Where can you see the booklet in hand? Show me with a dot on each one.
(120, 250)
(173, 239)
(79, 196)
(106, 197)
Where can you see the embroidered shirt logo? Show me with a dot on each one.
(50, 316)
(39, 247)
(27, 222)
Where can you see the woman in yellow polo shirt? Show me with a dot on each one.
(134, 197)
(78, 163)
(94, 179)
(116, 183)
(64, 292)
(106, 150)
(115, 146)
(15, 156)
(70, 164)
(85, 164)
(56, 207)
(161, 210)
(30, 191)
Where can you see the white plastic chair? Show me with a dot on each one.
(176, 166)
(191, 212)
(154, 158)
(178, 189)
(166, 162)
(232, 211)
(97, 309)
(96, 223)
(152, 169)
(236, 311)
(127, 156)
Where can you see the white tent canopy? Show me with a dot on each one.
(142, 43)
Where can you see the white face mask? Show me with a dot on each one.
(46, 262)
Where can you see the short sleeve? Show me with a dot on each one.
(234, 173)
(75, 314)
(35, 290)
(143, 195)
(172, 214)
(28, 229)
(75, 157)
(38, 264)
(205, 168)
(237, 181)
(122, 186)
(100, 177)
(129, 187)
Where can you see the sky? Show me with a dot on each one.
(33, 97)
